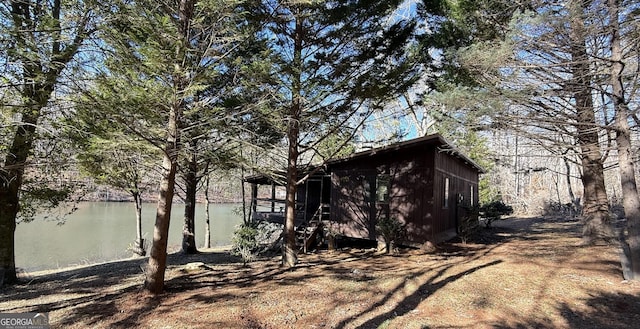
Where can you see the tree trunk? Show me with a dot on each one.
(191, 186)
(138, 247)
(207, 226)
(289, 256)
(575, 202)
(596, 207)
(41, 69)
(11, 176)
(245, 219)
(154, 280)
(8, 213)
(10, 183)
(630, 199)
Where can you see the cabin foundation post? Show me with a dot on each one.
(254, 201)
(273, 197)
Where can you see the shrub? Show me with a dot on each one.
(493, 211)
(245, 242)
(391, 231)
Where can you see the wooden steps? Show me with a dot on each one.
(309, 235)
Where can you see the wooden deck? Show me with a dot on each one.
(275, 217)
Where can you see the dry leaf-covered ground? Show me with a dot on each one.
(528, 273)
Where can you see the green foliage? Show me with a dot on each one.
(245, 243)
(39, 199)
(116, 160)
(344, 65)
(208, 68)
(494, 210)
(457, 25)
(333, 146)
(391, 230)
(486, 190)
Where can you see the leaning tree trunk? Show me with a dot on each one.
(596, 206)
(154, 276)
(189, 227)
(10, 182)
(630, 198)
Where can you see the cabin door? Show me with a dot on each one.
(314, 198)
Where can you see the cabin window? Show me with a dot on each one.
(471, 195)
(382, 188)
(367, 188)
(445, 204)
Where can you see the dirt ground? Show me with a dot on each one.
(525, 273)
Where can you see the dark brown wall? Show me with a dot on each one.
(461, 178)
(351, 202)
(354, 184)
(416, 192)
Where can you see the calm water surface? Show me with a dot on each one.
(102, 231)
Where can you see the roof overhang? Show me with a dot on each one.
(435, 140)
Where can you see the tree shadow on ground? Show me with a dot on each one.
(96, 293)
(605, 310)
(91, 291)
(530, 228)
(409, 303)
(84, 281)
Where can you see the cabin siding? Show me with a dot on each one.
(462, 178)
(411, 192)
(356, 207)
(416, 193)
(351, 203)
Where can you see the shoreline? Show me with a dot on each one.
(99, 232)
(27, 274)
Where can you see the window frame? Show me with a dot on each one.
(446, 192)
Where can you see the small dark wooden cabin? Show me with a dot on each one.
(422, 182)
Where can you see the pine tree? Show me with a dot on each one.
(334, 62)
(162, 60)
(538, 60)
(38, 43)
(113, 158)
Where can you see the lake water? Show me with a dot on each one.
(102, 231)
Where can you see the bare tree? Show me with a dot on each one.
(630, 197)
